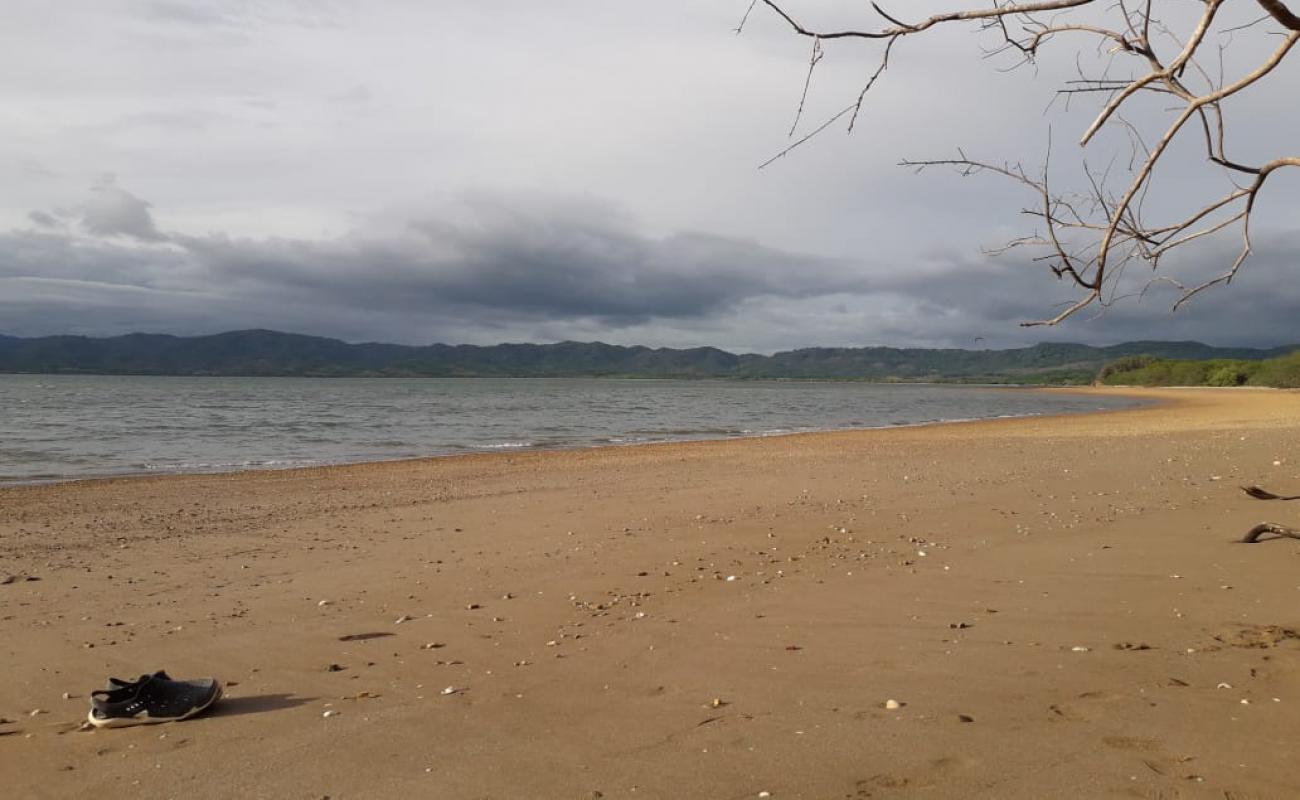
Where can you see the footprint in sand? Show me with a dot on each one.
(887, 784)
(878, 785)
(1091, 706)
(1130, 743)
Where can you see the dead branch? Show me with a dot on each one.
(1252, 535)
(1260, 493)
(1090, 237)
(1278, 11)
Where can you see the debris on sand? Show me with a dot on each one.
(361, 637)
(1258, 636)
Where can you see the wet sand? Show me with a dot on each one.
(1057, 605)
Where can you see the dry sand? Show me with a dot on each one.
(1058, 605)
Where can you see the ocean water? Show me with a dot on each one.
(68, 427)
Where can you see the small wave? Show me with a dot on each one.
(627, 439)
(502, 445)
(205, 466)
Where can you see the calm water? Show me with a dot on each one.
(61, 427)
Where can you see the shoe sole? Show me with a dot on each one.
(128, 722)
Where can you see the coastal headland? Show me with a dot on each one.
(1025, 608)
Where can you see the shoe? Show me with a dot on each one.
(118, 683)
(151, 699)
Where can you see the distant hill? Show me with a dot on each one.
(262, 352)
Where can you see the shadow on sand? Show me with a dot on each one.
(256, 704)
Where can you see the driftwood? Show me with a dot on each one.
(1252, 536)
(1260, 493)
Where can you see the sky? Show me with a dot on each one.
(502, 170)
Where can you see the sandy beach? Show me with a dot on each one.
(1057, 606)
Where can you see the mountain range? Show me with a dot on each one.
(272, 353)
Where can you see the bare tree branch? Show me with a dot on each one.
(1090, 237)
(1281, 13)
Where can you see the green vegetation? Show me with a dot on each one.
(1143, 370)
(259, 353)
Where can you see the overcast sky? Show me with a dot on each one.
(508, 170)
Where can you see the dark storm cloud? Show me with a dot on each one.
(988, 297)
(503, 263)
(527, 269)
(615, 276)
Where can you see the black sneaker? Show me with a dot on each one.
(151, 699)
(118, 683)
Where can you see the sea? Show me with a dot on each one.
(55, 428)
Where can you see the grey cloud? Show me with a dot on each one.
(988, 297)
(266, 131)
(502, 266)
(187, 13)
(246, 13)
(358, 95)
(538, 271)
(527, 264)
(112, 211)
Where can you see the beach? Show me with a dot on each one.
(1056, 606)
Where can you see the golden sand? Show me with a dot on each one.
(1057, 607)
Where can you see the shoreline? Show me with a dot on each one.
(497, 450)
(1055, 604)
